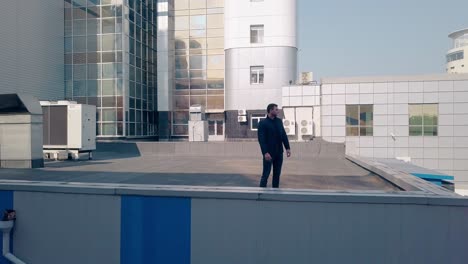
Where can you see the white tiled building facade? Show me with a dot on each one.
(388, 105)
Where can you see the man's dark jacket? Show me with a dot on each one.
(271, 136)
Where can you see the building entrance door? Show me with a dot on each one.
(216, 130)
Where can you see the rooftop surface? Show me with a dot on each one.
(315, 165)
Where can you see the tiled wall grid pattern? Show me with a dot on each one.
(304, 95)
(447, 152)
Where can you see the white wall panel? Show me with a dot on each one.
(432, 86)
(431, 142)
(366, 88)
(380, 142)
(401, 87)
(338, 99)
(445, 97)
(460, 86)
(460, 108)
(380, 109)
(380, 88)
(339, 121)
(401, 98)
(416, 142)
(352, 98)
(352, 88)
(400, 109)
(431, 153)
(416, 98)
(366, 98)
(460, 131)
(380, 98)
(446, 86)
(460, 97)
(338, 89)
(381, 131)
(32, 49)
(339, 109)
(431, 98)
(415, 87)
(380, 120)
(416, 153)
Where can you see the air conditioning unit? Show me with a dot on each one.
(289, 127)
(68, 125)
(306, 77)
(241, 112)
(307, 127)
(242, 119)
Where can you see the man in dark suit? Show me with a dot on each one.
(272, 137)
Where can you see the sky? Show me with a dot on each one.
(340, 38)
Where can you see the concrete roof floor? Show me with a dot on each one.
(298, 173)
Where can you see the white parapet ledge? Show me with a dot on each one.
(238, 193)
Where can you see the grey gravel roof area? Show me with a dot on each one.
(316, 165)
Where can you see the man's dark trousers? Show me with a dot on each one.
(277, 162)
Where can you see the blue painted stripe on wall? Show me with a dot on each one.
(6, 202)
(155, 230)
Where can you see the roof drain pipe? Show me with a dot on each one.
(6, 225)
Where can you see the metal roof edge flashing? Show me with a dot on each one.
(402, 180)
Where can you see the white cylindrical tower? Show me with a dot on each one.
(260, 50)
(457, 61)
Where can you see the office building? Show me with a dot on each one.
(199, 64)
(457, 62)
(421, 119)
(110, 62)
(226, 56)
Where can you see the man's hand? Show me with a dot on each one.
(267, 157)
(288, 153)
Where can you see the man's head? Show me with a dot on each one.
(272, 110)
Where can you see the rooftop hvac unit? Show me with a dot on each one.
(242, 119)
(241, 112)
(289, 127)
(307, 127)
(306, 77)
(69, 126)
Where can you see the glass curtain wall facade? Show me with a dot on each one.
(199, 61)
(110, 62)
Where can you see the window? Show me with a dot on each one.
(423, 119)
(255, 120)
(198, 22)
(256, 34)
(359, 120)
(459, 55)
(256, 74)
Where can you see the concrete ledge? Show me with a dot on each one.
(315, 148)
(237, 193)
